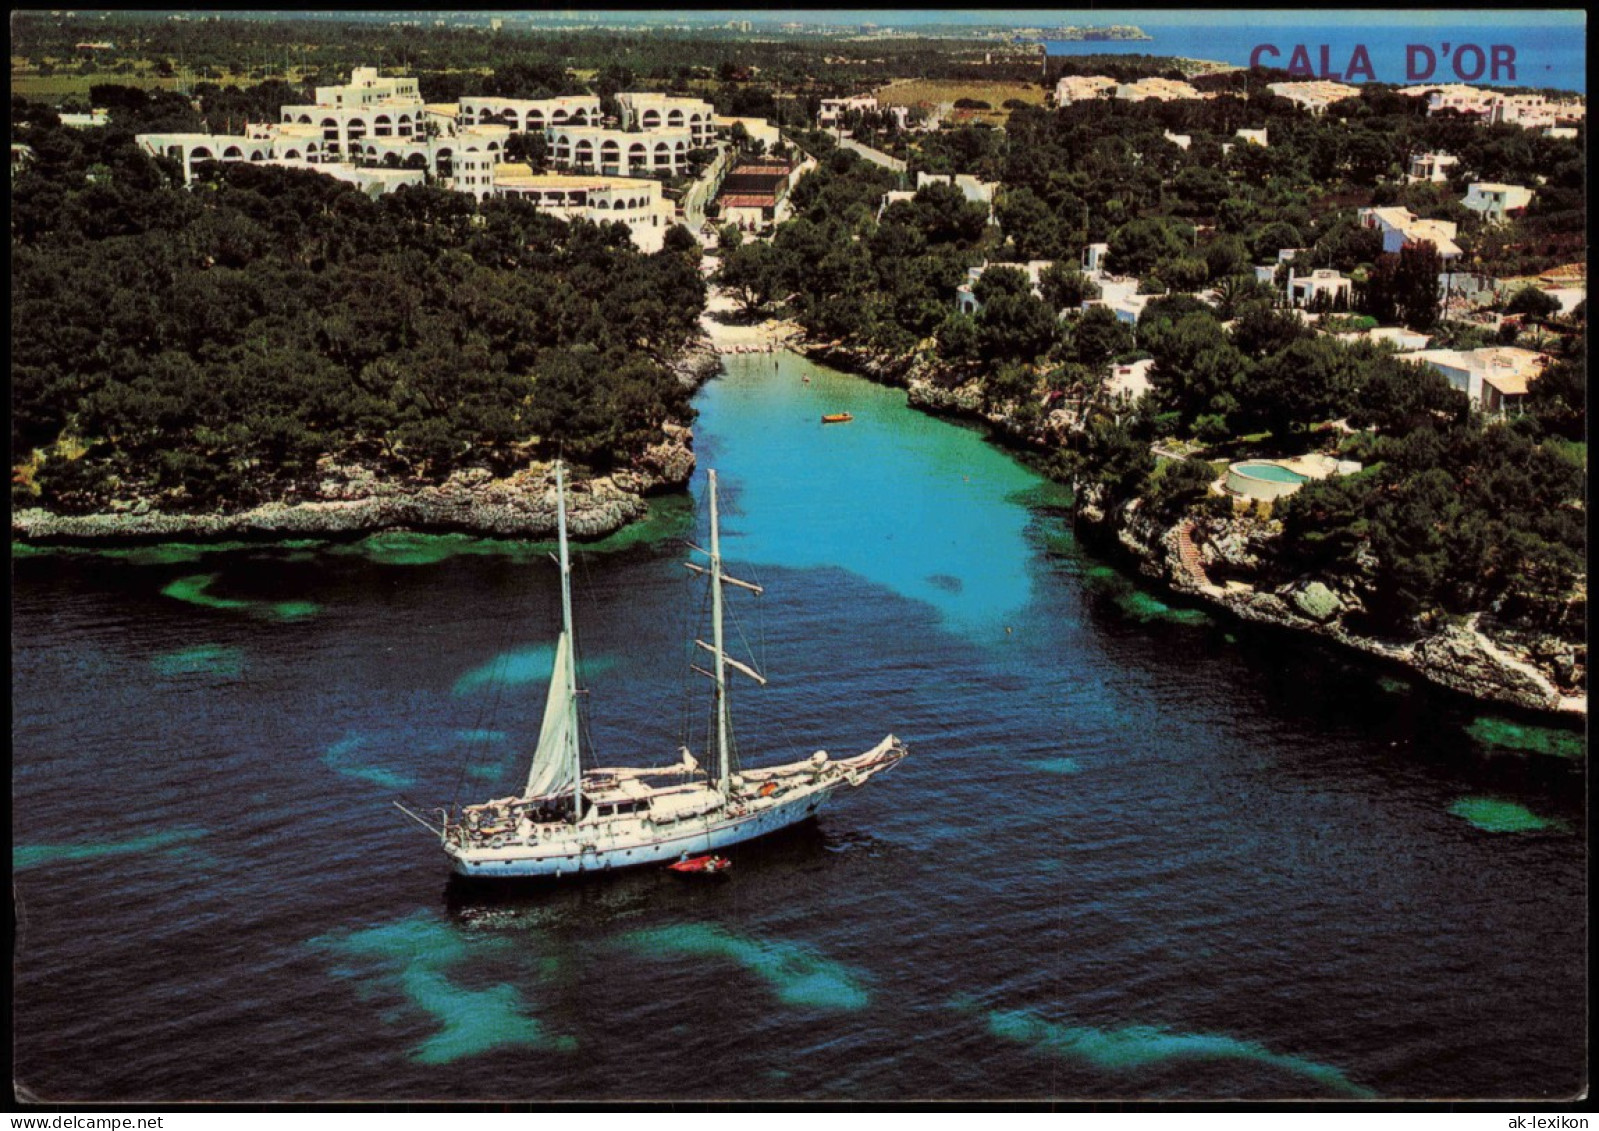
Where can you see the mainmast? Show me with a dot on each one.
(723, 769)
(718, 672)
(571, 647)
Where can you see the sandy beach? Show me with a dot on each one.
(729, 333)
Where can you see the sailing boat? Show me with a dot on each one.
(569, 821)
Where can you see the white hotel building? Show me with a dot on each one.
(368, 106)
(530, 115)
(636, 203)
(377, 133)
(620, 152)
(656, 112)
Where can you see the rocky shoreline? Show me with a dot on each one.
(353, 500)
(1477, 657)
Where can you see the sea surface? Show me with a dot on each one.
(1138, 850)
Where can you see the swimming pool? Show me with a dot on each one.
(1261, 479)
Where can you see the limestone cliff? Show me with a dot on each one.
(353, 500)
(1222, 561)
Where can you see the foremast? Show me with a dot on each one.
(557, 761)
(573, 753)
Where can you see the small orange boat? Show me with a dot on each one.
(700, 865)
(837, 418)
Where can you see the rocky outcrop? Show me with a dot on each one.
(356, 500)
(1474, 656)
(958, 400)
(884, 368)
(697, 364)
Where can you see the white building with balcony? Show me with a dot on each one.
(1156, 89)
(1083, 88)
(1315, 95)
(667, 113)
(620, 152)
(1496, 201)
(1432, 167)
(373, 182)
(367, 106)
(190, 149)
(1321, 285)
(377, 134)
(634, 202)
(832, 109)
(965, 294)
(1493, 377)
(531, 115)
(1400, 226)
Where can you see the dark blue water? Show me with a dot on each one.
(1137, 851)
(1543, 55)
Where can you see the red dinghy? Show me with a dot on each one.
(701, 865)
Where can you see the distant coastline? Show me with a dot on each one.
(1092, 34)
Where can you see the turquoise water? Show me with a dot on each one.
(418, 955)
(794, 974)
(1276, 473)
(1143, 1047)
(944, 536)
(25, 856)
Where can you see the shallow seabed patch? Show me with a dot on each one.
(797, 975)
(1496, 815)
(34, 855)
(1493, 731)
(194, 591)
(522, 666)
(415, 954)
(202, 659)
(1145, 1046)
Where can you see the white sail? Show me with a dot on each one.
(554, 769)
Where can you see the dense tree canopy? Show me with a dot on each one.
(214, 344)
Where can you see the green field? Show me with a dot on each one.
(70, 78)
(933, 92)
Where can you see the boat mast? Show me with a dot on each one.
(718, 671)
(722, 760)
(571, 663)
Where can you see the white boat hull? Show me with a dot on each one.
(563, 850)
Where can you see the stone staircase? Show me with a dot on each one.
(1188, 553)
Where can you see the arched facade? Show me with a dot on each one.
(638, 204)
(619, 153)
(654, 112)
(529, 115)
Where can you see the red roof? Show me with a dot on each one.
(749, 200)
